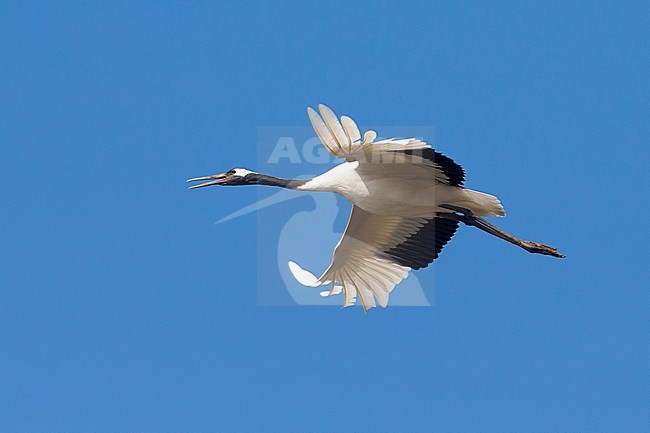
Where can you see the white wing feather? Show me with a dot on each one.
(351, 130)
(343, 138)
(323, 132)
(359, 262)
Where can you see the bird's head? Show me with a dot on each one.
(236, 176)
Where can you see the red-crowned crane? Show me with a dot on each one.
(408, 201)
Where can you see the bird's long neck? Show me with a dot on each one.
(265, 179)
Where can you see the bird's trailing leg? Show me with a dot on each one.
(467, 217)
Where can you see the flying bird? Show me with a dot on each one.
(408, 200)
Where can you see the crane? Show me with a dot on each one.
(407, 202)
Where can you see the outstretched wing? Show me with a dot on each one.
(376, 253)
(343, 140)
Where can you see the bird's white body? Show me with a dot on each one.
(398, 190)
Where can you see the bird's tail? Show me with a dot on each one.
(480, 203)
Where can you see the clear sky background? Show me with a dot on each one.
(123, 308)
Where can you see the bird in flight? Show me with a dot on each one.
(408, 200)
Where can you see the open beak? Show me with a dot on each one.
(215, 179)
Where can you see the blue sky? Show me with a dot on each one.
(123, 308)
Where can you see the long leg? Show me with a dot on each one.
(467, 217)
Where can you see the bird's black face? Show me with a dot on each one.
(236, 176)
